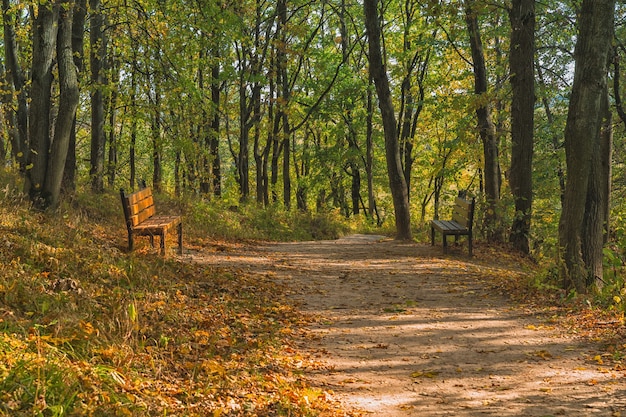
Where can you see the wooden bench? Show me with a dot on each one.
(141, 219)
(461, 224)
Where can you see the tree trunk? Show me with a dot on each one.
(133, 127)
(98, 52)
(155, 128)
(397, 182)
(243, 169)
(68, 102)
(112, 124)
(68, 185)
(521, 61)
(486, 128)
(15, 76)
(281, 58)
(44, 44)
(369, 158)
(582, 135)
(214, 146)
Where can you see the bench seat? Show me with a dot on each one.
(460, 225)
(142, 220)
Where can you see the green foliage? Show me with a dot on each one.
(250, 221)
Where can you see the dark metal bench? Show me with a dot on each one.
(460, 225)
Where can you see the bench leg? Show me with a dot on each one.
(180, 239)
(163, 244)
(432, 236)
(130, 242)
(469, 243)
(445, 243)
(152, 240)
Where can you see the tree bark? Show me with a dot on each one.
(44, 43)
(68, 102)
(78, 40)
(397, 182)
(582, 135)
(486, 128)
(214, 146)
(521, 61)
(98, 51)
(15, 76)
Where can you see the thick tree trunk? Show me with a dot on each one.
(44, 44)
(486, 128)
(397, 182)
(521, 61)
(68, 102)
(98, 52)
(582, 135)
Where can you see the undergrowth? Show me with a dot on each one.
(87, 328)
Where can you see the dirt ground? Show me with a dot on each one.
(400, 330)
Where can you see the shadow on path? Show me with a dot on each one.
(402, 330)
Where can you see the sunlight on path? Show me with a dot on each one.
(401, 330)
(407, 332)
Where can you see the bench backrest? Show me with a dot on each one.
(138, 206)
(464, 212)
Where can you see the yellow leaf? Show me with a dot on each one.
(598, 359)
(617, 299)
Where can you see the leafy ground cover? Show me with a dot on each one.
(89, 329)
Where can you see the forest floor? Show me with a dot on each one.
(399, 329)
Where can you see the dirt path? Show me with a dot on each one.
(401, 330)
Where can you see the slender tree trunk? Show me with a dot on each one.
(582, 135)
(15, 76)
(157, 152)
(44, 45)
(68, 185)
(521, 60)
(112, 126)
(214, 146)
(133, 128)
(243, 168)
(281, 58)
(486, 128)
(397, 182)
(68, 102)
(369, 158)
(555, 138)
(98, 52)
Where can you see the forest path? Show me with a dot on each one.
(401, 330)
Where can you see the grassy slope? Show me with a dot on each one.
(89, 329)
